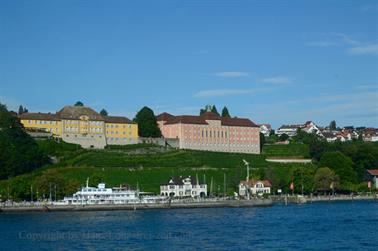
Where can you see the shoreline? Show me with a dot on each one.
(184, 204)
(139, 206)
(298, 199)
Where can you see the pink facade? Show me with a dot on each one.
(211, 132)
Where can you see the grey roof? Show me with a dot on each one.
(74, 112)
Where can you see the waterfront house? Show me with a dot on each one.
(256, 187)
(184, 187)
(372, 176)
(211, 132)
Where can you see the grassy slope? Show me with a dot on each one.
(291, 150)
(150, 169)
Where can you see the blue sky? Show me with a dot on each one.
(275, 62)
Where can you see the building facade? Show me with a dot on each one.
(210, 132)
(84, 126)
(372, 176)
(183, 187)
(255, 187)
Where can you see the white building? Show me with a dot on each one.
(256, 187)
(184, 187)
(291, 130)
(372, 176)
(265, 129)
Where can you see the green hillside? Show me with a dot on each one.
(290, 150)
(145, 165)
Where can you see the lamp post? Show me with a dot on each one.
(246, 163)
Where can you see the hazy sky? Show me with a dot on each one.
(275, 62)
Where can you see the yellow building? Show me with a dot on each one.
(82, 125)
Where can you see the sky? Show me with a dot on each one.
(277, 62)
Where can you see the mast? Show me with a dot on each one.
(211, 186)
(247, 180)
(50, 193)
(224, 184)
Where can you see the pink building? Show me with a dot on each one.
(210, 132)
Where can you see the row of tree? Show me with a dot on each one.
(213, 108)
(349, 160)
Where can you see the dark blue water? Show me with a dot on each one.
(318, 226)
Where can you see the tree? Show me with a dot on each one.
(332, 125)
(272, 133)
(95, 179)
(325, 179)
(262, 141)
(51, 181)
(317, 148)
(225, 113)
(209, 108)
(79, 103)
(284, 137)
(341, 164)
(19, 153)
(103, 112)
(20, 109)
(214, 110)
(303, 177)
(147, 125)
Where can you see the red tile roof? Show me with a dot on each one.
(164, 116)
(373, 172)
(201, 120)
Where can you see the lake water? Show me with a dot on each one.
(318, 226)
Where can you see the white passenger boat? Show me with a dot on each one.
(116, 195)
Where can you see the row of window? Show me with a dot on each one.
(115, 132)
(211, 134)
(119, 139)
(181, 186)
(43, 122)
(67, 135)
(116, 126)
